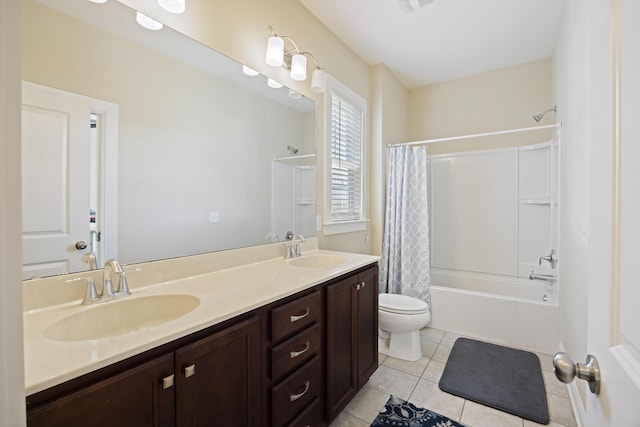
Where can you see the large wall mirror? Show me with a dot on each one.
(206, 158)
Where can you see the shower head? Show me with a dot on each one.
(293, 150)
(539, 117)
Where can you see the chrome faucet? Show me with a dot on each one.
(297, 240)
(292, 247)
(545, 277)
(111, 268)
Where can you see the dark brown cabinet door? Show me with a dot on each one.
(352, 337)
(367, 319)
(133, 398)
(342, 381)
(218, 378)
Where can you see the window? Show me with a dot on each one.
(346, 112)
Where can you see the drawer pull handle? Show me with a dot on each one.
(167, 382)
(189, 371)
(295, 354)
(297, 317)
(295, 397)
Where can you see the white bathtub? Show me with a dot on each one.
(502, 309)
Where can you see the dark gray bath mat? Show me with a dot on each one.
(501, 377)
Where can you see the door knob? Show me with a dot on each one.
(81, 244)
(566, 370)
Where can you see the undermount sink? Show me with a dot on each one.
(116, 318)
(319, 261)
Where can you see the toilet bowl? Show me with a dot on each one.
(400, 319)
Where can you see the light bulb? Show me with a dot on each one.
(173, 6)
(275, 51)
(148, 23)
(299, 67)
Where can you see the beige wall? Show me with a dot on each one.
(12, 405)
(389, 124)
(495, 100)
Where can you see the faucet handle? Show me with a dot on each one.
(90, 293)
(123, 287)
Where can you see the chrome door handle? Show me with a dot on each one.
(81, 244)
(297, 317)
(566, 370)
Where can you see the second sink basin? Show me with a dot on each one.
(115, 318)
(319, 261)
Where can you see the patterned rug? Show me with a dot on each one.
(400, 413)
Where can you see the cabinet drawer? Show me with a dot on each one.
(293, 395)
(295, 351)
(311, 417)
(295, 316)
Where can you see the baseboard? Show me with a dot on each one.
(576, 404)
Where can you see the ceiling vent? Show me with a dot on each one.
(413, 5)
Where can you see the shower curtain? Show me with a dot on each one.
(405, 249)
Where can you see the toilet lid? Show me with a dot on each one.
(401, 304)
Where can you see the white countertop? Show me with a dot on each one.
(223, 295)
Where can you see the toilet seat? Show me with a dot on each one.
(401, 304)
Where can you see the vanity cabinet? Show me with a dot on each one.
(212, 381)
(294, 362)
(352, 337)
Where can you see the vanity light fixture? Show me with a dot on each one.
(293, 60)
(173, 6)
(148, 23)
(98, 1)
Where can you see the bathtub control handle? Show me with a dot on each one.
(566, 370)
(552, 259)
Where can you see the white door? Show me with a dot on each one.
(56, 177)
(614, 297)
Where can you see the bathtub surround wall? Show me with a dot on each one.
(404, 268)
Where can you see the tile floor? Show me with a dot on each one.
(418, 383)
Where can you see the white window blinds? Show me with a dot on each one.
(346, 160)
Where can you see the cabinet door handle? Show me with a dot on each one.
(294, 397)
(295, 354)
(297, 317)
(363, 284)
(358, 287)
(167, 382)
(189, 371)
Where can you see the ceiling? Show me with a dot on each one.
(446, 39)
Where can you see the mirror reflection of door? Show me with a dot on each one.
(63, 205)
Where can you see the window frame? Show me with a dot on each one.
(347, 226)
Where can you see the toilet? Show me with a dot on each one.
(400, 319)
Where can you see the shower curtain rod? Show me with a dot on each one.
(453, 138)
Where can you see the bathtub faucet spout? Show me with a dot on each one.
(546, 277)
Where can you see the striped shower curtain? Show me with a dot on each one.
(405, 249)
